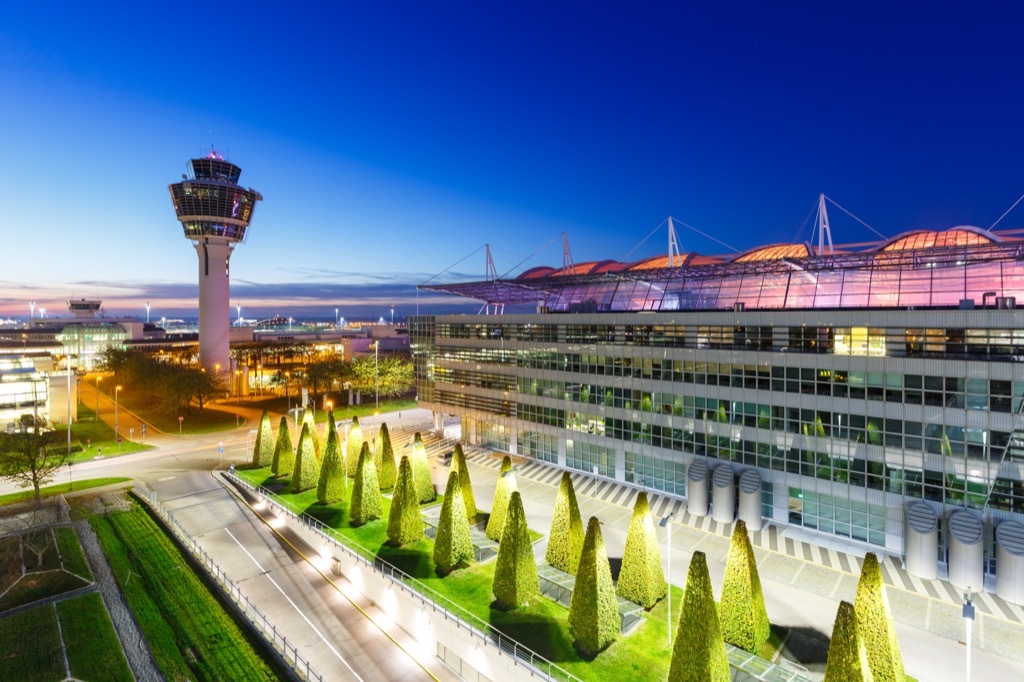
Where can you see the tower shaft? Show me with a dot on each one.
(214, 303)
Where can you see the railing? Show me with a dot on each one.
(289, 654)
(463, 619)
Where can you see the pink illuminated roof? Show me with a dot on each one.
(774, 252)
(965, 235)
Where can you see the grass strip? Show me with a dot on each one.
(30, 646)
(71, 553)
(40, 585)
(192, 634)
(94, 652)
(60, 489)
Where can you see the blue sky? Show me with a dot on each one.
(390, 140)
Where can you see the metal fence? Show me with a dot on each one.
(539, 666)
(289, 654)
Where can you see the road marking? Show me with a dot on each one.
(166, 478)
(297, 609)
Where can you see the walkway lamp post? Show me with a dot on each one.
(376, 373)
(968, 613)
(98, 377)
(664, 523)
(117, 390)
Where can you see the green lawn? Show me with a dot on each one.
(94, 652)
(71, 555)
(96, 438)
(281, 405)
(60, 489)
(192, 635)
(30, 646)
(43, 578)
(542, 626)
(148, 410)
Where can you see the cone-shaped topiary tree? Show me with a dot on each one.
(515, 573)
(741, 609)
(333, 478)
(593, 610)
(387, 472)
(874, 623)
(306, 472)
(284, 453)
(367, 503)
(847, 657)
(698, 654)
(309, 418)
(378, 451)
(331, 428)
(641, 579)
(565, 541)
(421, 470)
(502, 493)
(452, 544)
(354, 445)
(459, 465)
(263, 451)
(404, 522)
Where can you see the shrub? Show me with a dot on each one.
(354, 446)
(515, 573)
(698, 653)
(452, 544)
(874, 623)
(367, 503)
(308, 418)
(459, 465)
(306, 472)
(333, 479)
(421, 470)
(593, 610)
(284, 454)
(502, 492)
(565, 541)
(388, 473)
(847, 657)
(641, 579)
(741, 609)
(263, 451)
(404, 522)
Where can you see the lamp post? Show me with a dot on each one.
(668, 531)
(98, 377)
(31, 309)
(968, 613)
(147, 312)
(117, 389)
(335, 318)
(376, 374)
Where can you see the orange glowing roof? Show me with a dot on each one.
(654, 263)
(964, 235)
(577, 269)
(538, 272)
(774, 252)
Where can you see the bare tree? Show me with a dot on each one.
(32, 457)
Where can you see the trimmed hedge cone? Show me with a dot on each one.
(698, 654)
(353, 446)
(333, 481)
(641, 579)
(263, 451)
(565, 541)
(593, 610)
(307, 468)
(742, 611)
(515, 573)
(404, 522)
(284, 454)
(459, 465)
(875, 625)
(308, 419)
(387, 473)
(847, 657)
(452, 544)
(367, 503)
(421, 470)
(502, 493)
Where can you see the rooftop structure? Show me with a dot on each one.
(214, 212)
(84, 308)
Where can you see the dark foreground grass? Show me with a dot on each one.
(192, 635)
(71, 556)
(30, 646)
(542, 626)
(94, 652)
(60, 489)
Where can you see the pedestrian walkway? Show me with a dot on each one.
(778, 539)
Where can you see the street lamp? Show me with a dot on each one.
(376, 373)
(668, 531)
(117, 389)
(31, 309)
(147, 312)
(968, 613)
(335, 318)
(98, 377)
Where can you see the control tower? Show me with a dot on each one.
(215, 213)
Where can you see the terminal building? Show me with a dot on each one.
(872, 392)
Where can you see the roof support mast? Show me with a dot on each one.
(674, 259)
(568, 267)
(824, 231)
(491, 275)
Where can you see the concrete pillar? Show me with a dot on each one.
(1010, 561)
(922, 534)
(214, 304)
(723, 507)
(697, 488)
(750, 499)
(966, 551)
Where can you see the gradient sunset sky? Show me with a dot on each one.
(392, 140)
